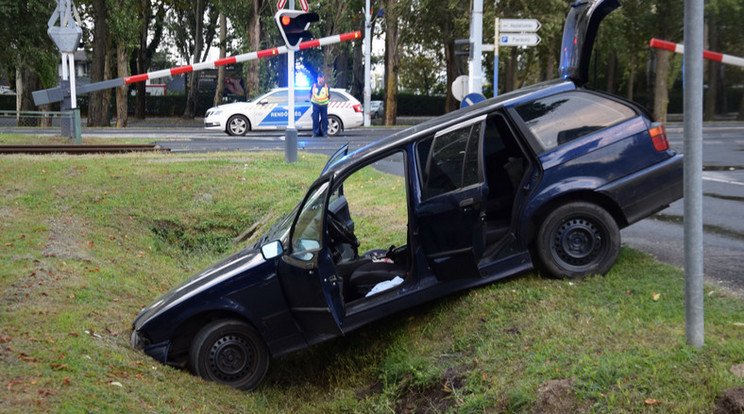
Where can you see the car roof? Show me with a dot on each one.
(378, 148)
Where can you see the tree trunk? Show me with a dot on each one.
(221, 69)
(121, 92)
(661, 90)
(193, 93)
(26, 82)
(357, 83)
(631, 79)
(252, 85)
(392, 62)
(611, 71)
(511, 71)
(98, 102)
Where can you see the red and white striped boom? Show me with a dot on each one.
(241, 58)
(57, 94)
(707, 54)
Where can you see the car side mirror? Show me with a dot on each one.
(263, 102)
(272, 249)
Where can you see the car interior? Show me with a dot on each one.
(361, 268)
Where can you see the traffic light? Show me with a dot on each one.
(463, 47)
(293, 26)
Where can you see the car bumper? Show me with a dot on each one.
(354, 121)
(645, 192)
(158, 351)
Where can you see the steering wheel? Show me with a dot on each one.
(341, 230)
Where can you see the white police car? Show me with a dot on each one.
(269, 111)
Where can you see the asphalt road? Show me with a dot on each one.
(723, 210)
(661, 235)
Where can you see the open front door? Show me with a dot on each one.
(451, 214)
(307, 274)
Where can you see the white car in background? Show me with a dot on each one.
(269, 112)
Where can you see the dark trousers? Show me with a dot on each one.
(320, 120)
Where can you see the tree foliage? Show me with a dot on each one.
(419, 50)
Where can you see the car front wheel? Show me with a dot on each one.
(334, 126)
(577, 240)
(229, 352)
(237, 125)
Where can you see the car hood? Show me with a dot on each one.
(234, 106)
(230, 267)
(579, 33)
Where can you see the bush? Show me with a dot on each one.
(417, 105)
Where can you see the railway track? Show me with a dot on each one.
(80, 149)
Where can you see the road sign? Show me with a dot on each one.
(472, 99)
(280, 4)
(304, 6)
(460, 87)
(519, 39)
(519, 25)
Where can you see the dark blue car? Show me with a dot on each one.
(544, 176)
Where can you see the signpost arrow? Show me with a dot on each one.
(519, 25)
(519, 39)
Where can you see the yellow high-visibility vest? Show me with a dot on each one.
(321, 95)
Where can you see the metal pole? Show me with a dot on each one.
(496, 58)
(475, 80)
(367, 62)
(693, 182)
(290, 135)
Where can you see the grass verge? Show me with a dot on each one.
(86, 241)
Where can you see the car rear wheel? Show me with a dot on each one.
(578, 239)
(229, 352)
(334, 126)
(237, 125)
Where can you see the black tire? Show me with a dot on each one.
(229, 352)
(577, 240)
(335, 126)
(237, 125)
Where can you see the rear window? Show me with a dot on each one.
(562, 118)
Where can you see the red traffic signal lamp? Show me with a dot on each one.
(293, 26)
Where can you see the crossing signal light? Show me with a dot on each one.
(293, 26)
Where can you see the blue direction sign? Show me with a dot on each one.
(471, 99)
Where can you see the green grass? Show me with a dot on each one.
(86, 241)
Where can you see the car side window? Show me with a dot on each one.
(450, 160)
(302, 96)
(562, 118)
(279, 97)
(337, 97)
(307, 235)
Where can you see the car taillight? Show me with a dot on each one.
(358, 108)
(658, 137)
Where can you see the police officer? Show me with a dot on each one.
(320, 96)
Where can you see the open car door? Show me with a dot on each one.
(451, 214)
(340, 153)
(307, 274)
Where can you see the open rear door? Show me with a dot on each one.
(451, 214)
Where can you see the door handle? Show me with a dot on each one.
(468, 202)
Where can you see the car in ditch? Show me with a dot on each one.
(544, 176)
(270, 112)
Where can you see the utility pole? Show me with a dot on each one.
(693, 175)
(475, 81)
(367, 61)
